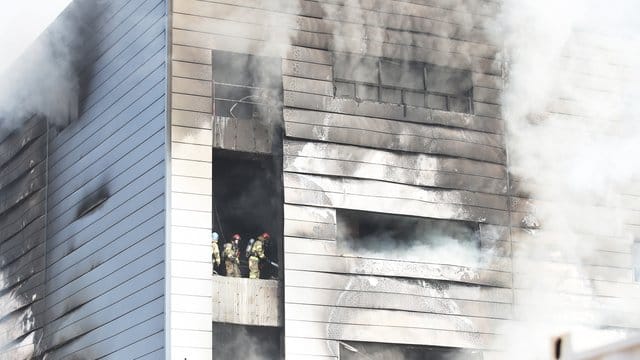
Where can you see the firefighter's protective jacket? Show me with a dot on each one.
(231, 259)
(257, 249)
(215, 253)
(255, 255)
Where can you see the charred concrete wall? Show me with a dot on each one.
(359, 154)
(401, 159)
(83, 199)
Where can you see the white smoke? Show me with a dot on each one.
(38, 77)
(21, 22)
(43, 76)
(573, 133)
(572, 70)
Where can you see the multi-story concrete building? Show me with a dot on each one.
(366, 137)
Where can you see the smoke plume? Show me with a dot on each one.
(47, 79)
(572, 137)
(571, 70)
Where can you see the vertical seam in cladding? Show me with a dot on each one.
(46, 219)
(167, 195)
(509, 202)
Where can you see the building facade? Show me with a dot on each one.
(365, 136)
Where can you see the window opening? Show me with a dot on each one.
(402, 82)
(408, 238)
(231, 341)
(246, 86)
(354, 350)
(247, 200)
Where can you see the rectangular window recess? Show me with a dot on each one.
(247, 86)
(355, 350)
(397, 237)
(410, 83)
(248, 200)
(232, 341)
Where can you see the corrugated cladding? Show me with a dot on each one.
(22, 238)
(105, 246)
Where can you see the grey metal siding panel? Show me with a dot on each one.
(129, 157)
(105, 269)
(22, 160)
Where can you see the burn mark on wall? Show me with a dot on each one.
(93, 201)
(71, 307)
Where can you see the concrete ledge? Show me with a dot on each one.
(246, 301)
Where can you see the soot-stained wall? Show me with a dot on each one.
(22, 238)
(404, 156)
(102, 276)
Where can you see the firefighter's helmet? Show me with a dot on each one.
(214, 236)
(236, 237)
(265, 236)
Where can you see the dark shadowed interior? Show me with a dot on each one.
(247, 200)
(378, 351)
(244, 342)
(363, 230)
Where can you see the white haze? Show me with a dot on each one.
(573, 137)
(20, 24)
(45, 81)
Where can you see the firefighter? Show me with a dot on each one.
(215, 251)
(232, 256)
(257, 254)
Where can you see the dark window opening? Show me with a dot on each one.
(406, 237)
(352, 350)
(248, 200)
(403, 82)
(241, 342)
(246, 86)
